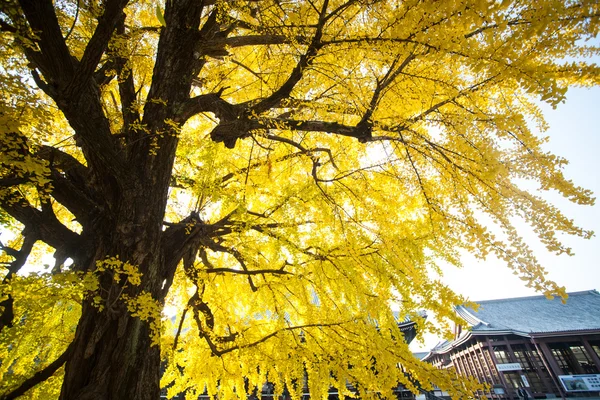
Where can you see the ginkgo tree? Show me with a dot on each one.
(240, 191)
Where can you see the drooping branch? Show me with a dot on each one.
(39, 376)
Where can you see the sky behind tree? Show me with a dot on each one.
(574, 133)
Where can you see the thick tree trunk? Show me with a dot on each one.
(113, 356)
(112, 359)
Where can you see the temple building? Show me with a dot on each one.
(544, 347)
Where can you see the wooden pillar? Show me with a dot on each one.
(487, 365)
(540, 367)
(511, 353)
(500, 374)
(475, 360)
(456, 364)
(466, 364)
(486, 372)
(550, 364)
(475, 356)
(489, 369)
(592, 353)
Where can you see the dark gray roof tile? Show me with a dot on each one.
(536, 314)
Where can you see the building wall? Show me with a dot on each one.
(541, 360)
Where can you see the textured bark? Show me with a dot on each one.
(112, 359)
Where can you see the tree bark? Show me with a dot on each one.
(122, 364)
(113, 356)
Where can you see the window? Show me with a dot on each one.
(596, 347)
(564, 358)
(513, 379)
(584, 359)
(501, 355)
(529, 361)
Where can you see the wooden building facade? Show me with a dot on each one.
(549, 349)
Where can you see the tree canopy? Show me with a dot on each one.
(242, 191)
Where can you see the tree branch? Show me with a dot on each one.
(98, 43)
(45, 225)
(280, 271)
(53, 59)
(39, 376)
(5, 27)
(360, 132)
(296, 75)
(208, 103)
(218, 352)
(240, 259)
(20, 257)
(126, 86)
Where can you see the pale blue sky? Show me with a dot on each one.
(574, 134)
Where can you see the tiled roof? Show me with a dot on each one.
(536, 314)
(405, 319)
(420, 354)
(527, 316)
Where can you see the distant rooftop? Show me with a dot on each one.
(420, 354)
(528, 316)
(536, 314)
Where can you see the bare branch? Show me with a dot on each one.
(305, 60)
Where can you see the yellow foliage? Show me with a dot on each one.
(318, 162)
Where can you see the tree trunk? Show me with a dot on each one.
(112, 359)
(113, 356)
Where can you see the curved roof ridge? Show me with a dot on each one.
(468, 316)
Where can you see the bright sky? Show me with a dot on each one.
(575, 135)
